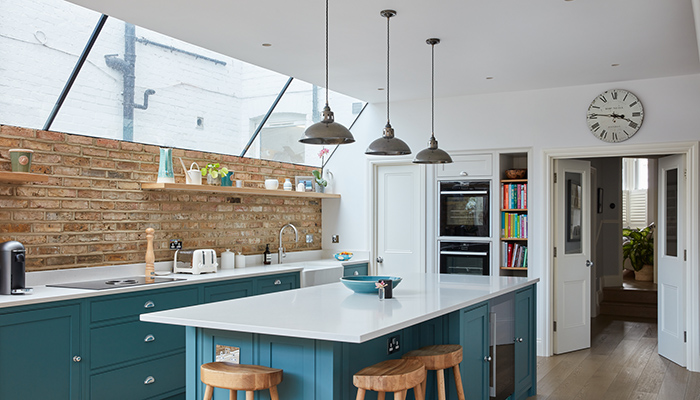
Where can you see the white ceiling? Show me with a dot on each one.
(523, 45)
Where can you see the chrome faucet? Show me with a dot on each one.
(280, 251)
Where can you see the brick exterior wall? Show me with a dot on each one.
(92, 212)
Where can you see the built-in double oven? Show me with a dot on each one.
(464, 227)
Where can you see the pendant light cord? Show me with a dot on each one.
(432, 91)
(326, 53)
(387, 68)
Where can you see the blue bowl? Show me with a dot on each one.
(365, 284)
(342, 257)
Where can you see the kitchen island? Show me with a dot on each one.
(321, 335)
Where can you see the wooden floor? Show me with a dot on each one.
(622, 363)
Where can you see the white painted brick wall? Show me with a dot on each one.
(40, 41)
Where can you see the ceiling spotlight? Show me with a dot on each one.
(267, 44)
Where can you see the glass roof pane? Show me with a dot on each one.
(200, 99)
(300, 107)
(41, 41)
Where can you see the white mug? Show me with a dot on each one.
(239, 183)
(301, 187)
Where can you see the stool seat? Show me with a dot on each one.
(437, 356)
(391, 376)
(239, 377)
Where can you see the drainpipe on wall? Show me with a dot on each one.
(127, 67)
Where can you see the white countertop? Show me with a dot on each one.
(44, 294)
(333, 312)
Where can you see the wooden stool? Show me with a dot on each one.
(391, 376)
(240, 377)
(438, 358)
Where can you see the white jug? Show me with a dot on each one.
(328, 176)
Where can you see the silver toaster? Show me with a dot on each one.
(195, 262)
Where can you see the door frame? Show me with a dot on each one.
(373, 171)
(691, 151)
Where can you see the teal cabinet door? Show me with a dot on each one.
(37, 351)
(525, 357)
(475, 345)
(276, 283)
(356, 270)
(297, 357)
(229, 290)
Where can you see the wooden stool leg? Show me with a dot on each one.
(380, 395)
(233, 395)
(458, 382)
(249, 395)
(208, 392)
(360, 394)
(441, 384)
(419, 392)
(273, 393)
(400, 395)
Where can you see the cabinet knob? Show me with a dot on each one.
(380, 260)
(463, 173)
(519, 340)
(149, 304)
(149, 338)
(356, 273)
(77, 358)
(278, 282)
(149, 380)
(487, 359)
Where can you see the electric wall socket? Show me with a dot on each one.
(335, 239)
(229, 354)
(309, 238)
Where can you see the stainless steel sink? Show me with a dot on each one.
(114, 283)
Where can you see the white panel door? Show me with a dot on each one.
(400, 202)
(670, 238)
(572, 272)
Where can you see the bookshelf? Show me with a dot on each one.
(514, 221)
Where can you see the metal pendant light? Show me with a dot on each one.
(388, 145)
(327, 131)
(432, 155)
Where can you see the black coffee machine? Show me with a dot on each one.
(12, 268)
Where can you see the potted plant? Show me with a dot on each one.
(638, 247)
(214, 172)
(320, 183)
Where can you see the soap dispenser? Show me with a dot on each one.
(267, 256)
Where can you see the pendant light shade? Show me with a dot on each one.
(432, 155)
(388, 144)
(327, 131)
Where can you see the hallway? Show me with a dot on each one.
(622, 363)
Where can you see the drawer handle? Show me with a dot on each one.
(463, 173)
(149, 338)
(77, 359)
(149, 304)
(356, 273)
(149, 380)
(278, 282)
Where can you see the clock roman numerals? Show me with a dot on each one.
(615, 115)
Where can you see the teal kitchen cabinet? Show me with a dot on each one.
(228, 290)
(470, 328)
(356, 269)
(276, 283)
(133, 359)
(525, 338)
(40, 354)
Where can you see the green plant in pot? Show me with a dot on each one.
(214, 172)
(320, 182)
(638, 247)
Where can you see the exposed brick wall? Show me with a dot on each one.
(93, 212)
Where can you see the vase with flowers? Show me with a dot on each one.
(214, 172)
(320, 183)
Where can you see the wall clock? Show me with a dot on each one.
(615, 115)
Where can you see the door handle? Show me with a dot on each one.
(589, 263)
(380, 260)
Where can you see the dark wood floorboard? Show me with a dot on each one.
(622, 363)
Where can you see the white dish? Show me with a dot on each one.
(163, 273)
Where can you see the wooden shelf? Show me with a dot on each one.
(514, 209)
(509, 239)
(514, 268)
(22, 177)
(513, 180)
(233, 190)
